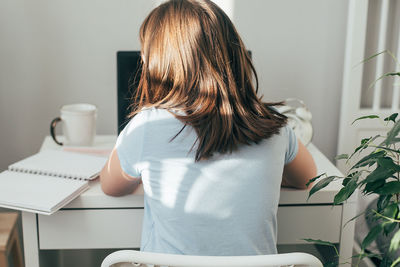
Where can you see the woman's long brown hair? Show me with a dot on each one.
(195, 61)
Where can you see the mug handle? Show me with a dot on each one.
(52, 130)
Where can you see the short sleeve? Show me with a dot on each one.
(293, 146)
(130, 145)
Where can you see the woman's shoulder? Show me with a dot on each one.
(152, 117)
(152, 113)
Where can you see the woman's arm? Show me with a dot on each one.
(300, 170)
(114, 181)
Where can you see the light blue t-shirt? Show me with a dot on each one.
(222, 206)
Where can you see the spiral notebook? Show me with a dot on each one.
(47, 181)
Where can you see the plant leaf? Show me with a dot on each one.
(342, 156)
(393, 56)
(373, 56)
(313, 179)
(355, 217)
(392, 133)
(395, 242)
(389, 188)
(387, 162)
(367, 254)
(391, 117)
(383, 201)
(397, 261)
(369, 159)
(346, 181)
(319, 242)
(371, 187)
(321, 184)
(394, 141)
(345, 192)
(391, 210)
(386, 168)
(389, 149)
(378, 174)
(364, 144)
(392, 74)
(387, 74)
(389, 227)
(366, 117)
(372, 235)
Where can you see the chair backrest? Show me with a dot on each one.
(139, 258)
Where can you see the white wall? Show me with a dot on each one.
(55, 52)
(298, 50)
(58, 52)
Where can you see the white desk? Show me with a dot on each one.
(84, 223)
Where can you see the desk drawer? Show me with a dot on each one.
(80, 229)
(121, 228)
(316, 222)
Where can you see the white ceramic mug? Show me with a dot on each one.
(78, 124)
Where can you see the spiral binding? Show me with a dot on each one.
(47, 173)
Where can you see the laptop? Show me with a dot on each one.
(128, 76)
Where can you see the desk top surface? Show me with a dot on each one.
(95, 198)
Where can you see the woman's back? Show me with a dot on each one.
(225, 205)
(212, 170)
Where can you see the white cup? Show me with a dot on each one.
(79, 124)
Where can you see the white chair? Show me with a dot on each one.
(138, 258)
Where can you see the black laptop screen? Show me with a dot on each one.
(128, 75)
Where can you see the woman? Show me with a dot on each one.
(211, 155)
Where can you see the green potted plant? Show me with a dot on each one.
(376, 172)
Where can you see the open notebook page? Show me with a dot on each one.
(61, 163)
(37, 193)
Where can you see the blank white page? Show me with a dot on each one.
(37, 193)
(61, 163)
